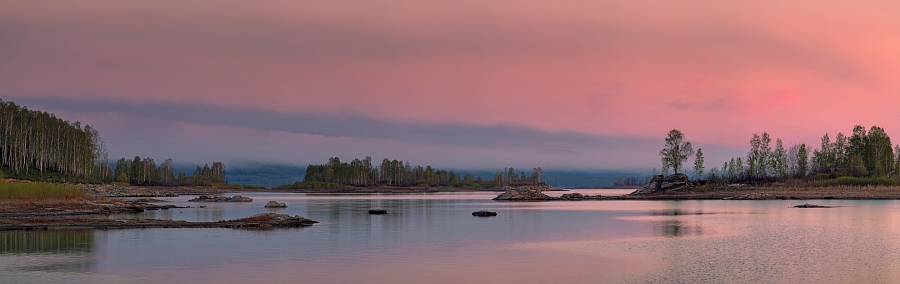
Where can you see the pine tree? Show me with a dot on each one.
(698, 164)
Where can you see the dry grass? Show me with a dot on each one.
(40, 190)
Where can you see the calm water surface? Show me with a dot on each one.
(432, 238)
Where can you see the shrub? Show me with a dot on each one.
(855, 181)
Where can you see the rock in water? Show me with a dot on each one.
(275, 204)
(484, 213)
(807, 205)
(572, 196)
(525, 193)
(377, 211)
(214, 198)
(663, 183)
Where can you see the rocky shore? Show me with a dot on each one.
(116, 190)
(215, 198)
(90, 212)
(258, 221)
(536, 193)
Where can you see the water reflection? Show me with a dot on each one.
(46, 241)
(49, 251)
(675, 228)
(275, 209)
(676, 212)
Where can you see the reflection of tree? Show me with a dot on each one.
(675, 228)
(402, 213)
(675, 212)
(47, 241)
(672, 228)
(47, 245)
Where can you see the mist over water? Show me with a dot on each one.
(432, 238)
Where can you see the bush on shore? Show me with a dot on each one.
(313, 185)
(856, 181)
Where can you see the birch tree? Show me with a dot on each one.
(675, 152)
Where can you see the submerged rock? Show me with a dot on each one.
(275, 204)
(214, 198)
(377, 211)
(807, 205)
(484, 213)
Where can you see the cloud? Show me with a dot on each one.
(192, 133)
(337, 125)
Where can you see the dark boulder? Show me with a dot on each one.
(484, 213)
(807, 205)
(675, 182)
(377, 211)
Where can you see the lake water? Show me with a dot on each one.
(432, 238)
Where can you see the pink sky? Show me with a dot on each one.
(717, 70)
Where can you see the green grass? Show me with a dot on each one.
(235, 186)
(18, 190)
(313, 185)
(855, 181)
(47, 176)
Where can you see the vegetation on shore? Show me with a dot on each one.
(38, 146)
(863, 158)
(39, 142)
(364, 173)
(38, 190)
(235, 186)
(314, 185)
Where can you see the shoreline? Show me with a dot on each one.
(93, 212)
(83, 222)
(774, 193)
(730, 193)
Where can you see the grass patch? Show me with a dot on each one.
(39, 190)
(313, 185)
(235, 186)
(855, 181)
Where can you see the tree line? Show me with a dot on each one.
(863, 154)
(144, 171)
(35, 141)
(37, 144)
(399, 173)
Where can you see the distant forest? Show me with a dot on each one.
(399, 173)
(145, 172)
(39, 146)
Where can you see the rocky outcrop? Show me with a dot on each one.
(525, 193)
(270, 220)
(275, 204)
(658, 183)
(258, 221)
(484, 213)
(114, 190)
(215, 198)
(807, 205)
(579, 196)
